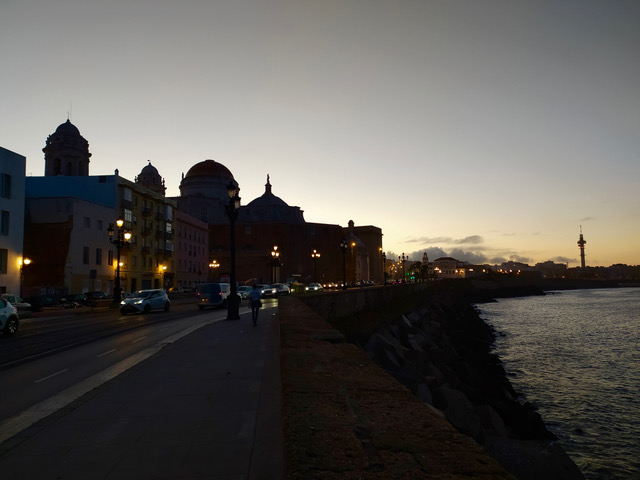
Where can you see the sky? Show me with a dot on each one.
(484, 130)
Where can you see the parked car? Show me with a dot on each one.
(23, 308)
(313, 287)
(143, 301)
(243, 291)
(97, 295)
(8, 318)
(281, 288)
(213, 294)
(175, 291)
(39, 302)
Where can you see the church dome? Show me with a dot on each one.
(150, 178)
(67, 128)
(208, 168)
(149, 170)
(269, 208)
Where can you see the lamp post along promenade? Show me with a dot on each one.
(233, 312)
(118, 238)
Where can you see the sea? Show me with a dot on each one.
(575, 355)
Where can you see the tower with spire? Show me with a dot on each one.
(581, 243)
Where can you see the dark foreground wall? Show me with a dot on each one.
(432, 340)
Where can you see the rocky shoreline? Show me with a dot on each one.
(442, 352)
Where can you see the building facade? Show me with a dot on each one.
(12, 178)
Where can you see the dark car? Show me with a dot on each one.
(97, 295)
(39, 302)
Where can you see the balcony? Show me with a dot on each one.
(146, 250)
(146, 211)
(147, 231)
(160, 216)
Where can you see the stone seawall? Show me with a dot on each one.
(345, 418)
(433, 341)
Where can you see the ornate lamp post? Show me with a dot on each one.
(403, 260)
(343, 246)
(233, 312)
(213, 266)
(384, 268)
(275, 263)
(315, 255)
(120, 240)
(23, 262)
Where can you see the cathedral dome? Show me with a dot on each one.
(209, 168)
(269, 208)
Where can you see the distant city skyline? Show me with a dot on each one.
(487, 131)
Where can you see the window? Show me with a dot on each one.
(4, 255)
(99, 225)
(4, 223)
(110, 258)
(98, 256)
(6, 186)
(87, 222)
(85, 255)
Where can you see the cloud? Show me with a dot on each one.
(563, 260)
(519, 258)
(470, 240)
(587, 219)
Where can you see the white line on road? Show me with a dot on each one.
(52, 375)
(107, 352)
(14, 425)
(138, 339)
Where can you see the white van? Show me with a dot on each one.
(213, 295)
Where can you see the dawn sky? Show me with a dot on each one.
(484, 130)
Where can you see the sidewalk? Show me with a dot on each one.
(205, 407)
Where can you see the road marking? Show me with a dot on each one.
(52, 375)
(107, 352)
(137, 340)
(14, 425)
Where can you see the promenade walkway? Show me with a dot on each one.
(207, 406)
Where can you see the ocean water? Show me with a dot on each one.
(576, 356)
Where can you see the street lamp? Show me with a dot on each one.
(315, 255)
(343, 246)
(213, 265)
(164, 277)
(120, 240)
(275, 263)
(23, 262)
(403, 260)
(384, 268)
(233, 312)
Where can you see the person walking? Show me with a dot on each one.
(254, 300)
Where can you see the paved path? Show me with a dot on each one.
(207, 406)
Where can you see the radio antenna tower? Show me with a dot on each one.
(581, 243)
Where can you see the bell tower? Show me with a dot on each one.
(66, 152)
